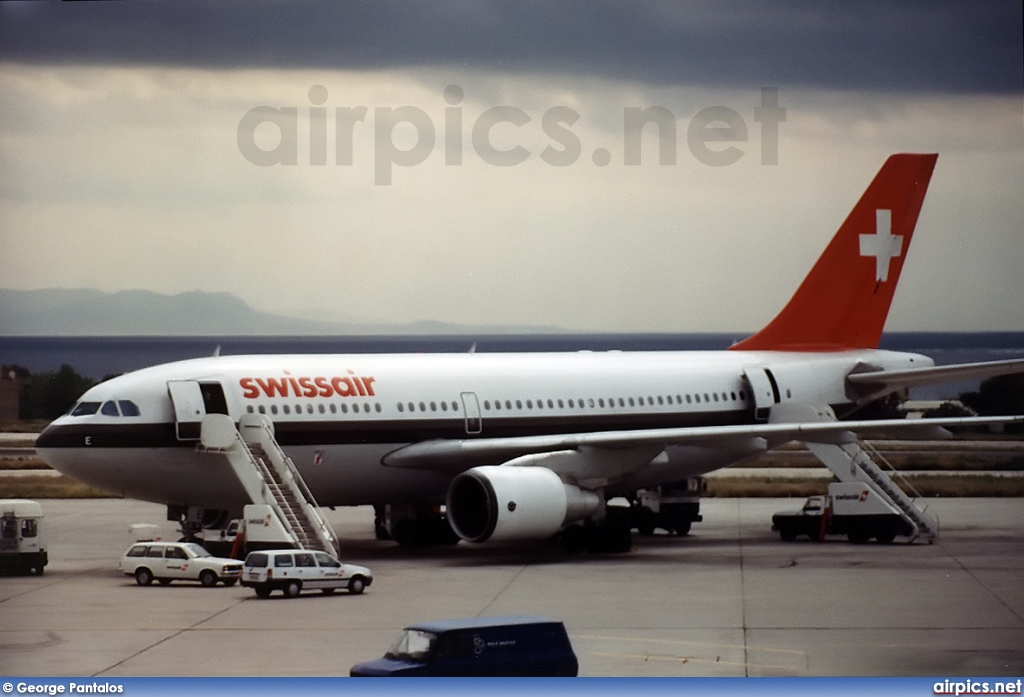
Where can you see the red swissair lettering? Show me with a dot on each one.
(349, 385)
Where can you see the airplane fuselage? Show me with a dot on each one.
(341, 418)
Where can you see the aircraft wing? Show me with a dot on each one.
(885, 381)
(797, 424)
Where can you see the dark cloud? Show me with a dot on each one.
(951, 46)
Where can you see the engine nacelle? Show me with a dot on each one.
(514, 503)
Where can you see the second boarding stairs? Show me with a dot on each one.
(269, 476)
(854, 460)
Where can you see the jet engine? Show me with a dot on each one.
(514, 503)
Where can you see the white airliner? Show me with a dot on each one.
(516, 446)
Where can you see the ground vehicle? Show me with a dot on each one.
(293, 570)
(671, 507)
(850, 509)
(178, 561)
(22, 539)
(477, 646)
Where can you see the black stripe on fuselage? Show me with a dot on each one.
(385, 431)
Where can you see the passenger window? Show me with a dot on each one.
(175, 553)
(304, 560)
(137, 551)
(326, 560)
(128, 407)
(29, 528)
(155, 552)
(109, 409)
(283, 560)
(256, 559)
(85, 409)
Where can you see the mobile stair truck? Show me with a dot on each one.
(849, 508)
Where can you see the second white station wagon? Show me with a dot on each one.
(293, 570)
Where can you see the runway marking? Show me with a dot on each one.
(682, 642)
(646, 658)
(788, 659)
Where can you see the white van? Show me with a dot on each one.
(22, 542)
(293, 570)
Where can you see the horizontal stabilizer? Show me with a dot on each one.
(883, 381)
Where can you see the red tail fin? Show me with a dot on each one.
(845, 298)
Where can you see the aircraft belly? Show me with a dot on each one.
(352, 475)
(336, 475)
(161, 475)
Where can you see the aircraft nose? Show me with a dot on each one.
(53, 436)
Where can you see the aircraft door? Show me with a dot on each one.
(763, 388)
(474, 423)
(192, 401)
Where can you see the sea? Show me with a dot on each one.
(101, 356)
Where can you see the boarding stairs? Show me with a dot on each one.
(269, 476)
(854, 460)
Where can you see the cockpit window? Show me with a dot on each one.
(110, 409)
(85, 409)
(128, 407)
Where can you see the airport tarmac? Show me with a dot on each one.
(729, 600)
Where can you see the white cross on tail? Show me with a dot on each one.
(883, 245)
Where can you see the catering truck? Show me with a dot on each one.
(849, 508)
(22, 539)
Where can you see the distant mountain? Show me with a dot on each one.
(92, 312)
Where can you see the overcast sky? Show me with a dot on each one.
(487, 181)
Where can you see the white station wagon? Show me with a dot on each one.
(178, 561)
(293, 570)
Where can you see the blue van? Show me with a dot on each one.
(520, 646)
